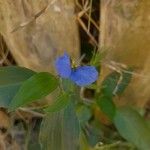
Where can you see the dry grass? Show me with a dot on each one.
(6, 58)
(89, 24)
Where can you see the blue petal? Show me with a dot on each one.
(84, 76)
(63, 66)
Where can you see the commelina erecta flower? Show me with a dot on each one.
(81, 75)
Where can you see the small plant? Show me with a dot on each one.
(72, 121)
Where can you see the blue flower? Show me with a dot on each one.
(81, 75)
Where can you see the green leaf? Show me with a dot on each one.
(59, 104)
(35, 88)
(132, 127)
(11, 79)
(107, 106)
(60, 130)
(114, 83)
(83, 113)
(109, 84)
(126, 78)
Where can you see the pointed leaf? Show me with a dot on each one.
(11, 79)
(133, 127)
(35, 88)
(113, 85)
(60, 130)
(109, 84)
(126, 78)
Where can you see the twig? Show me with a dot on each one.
(22, 25)
(123, 69)
(90, 12)
(86, 30)
(84, 12)
(37, 114)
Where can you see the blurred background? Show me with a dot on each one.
(34, 32)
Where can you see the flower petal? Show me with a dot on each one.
(63, 66)
(84, 75)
